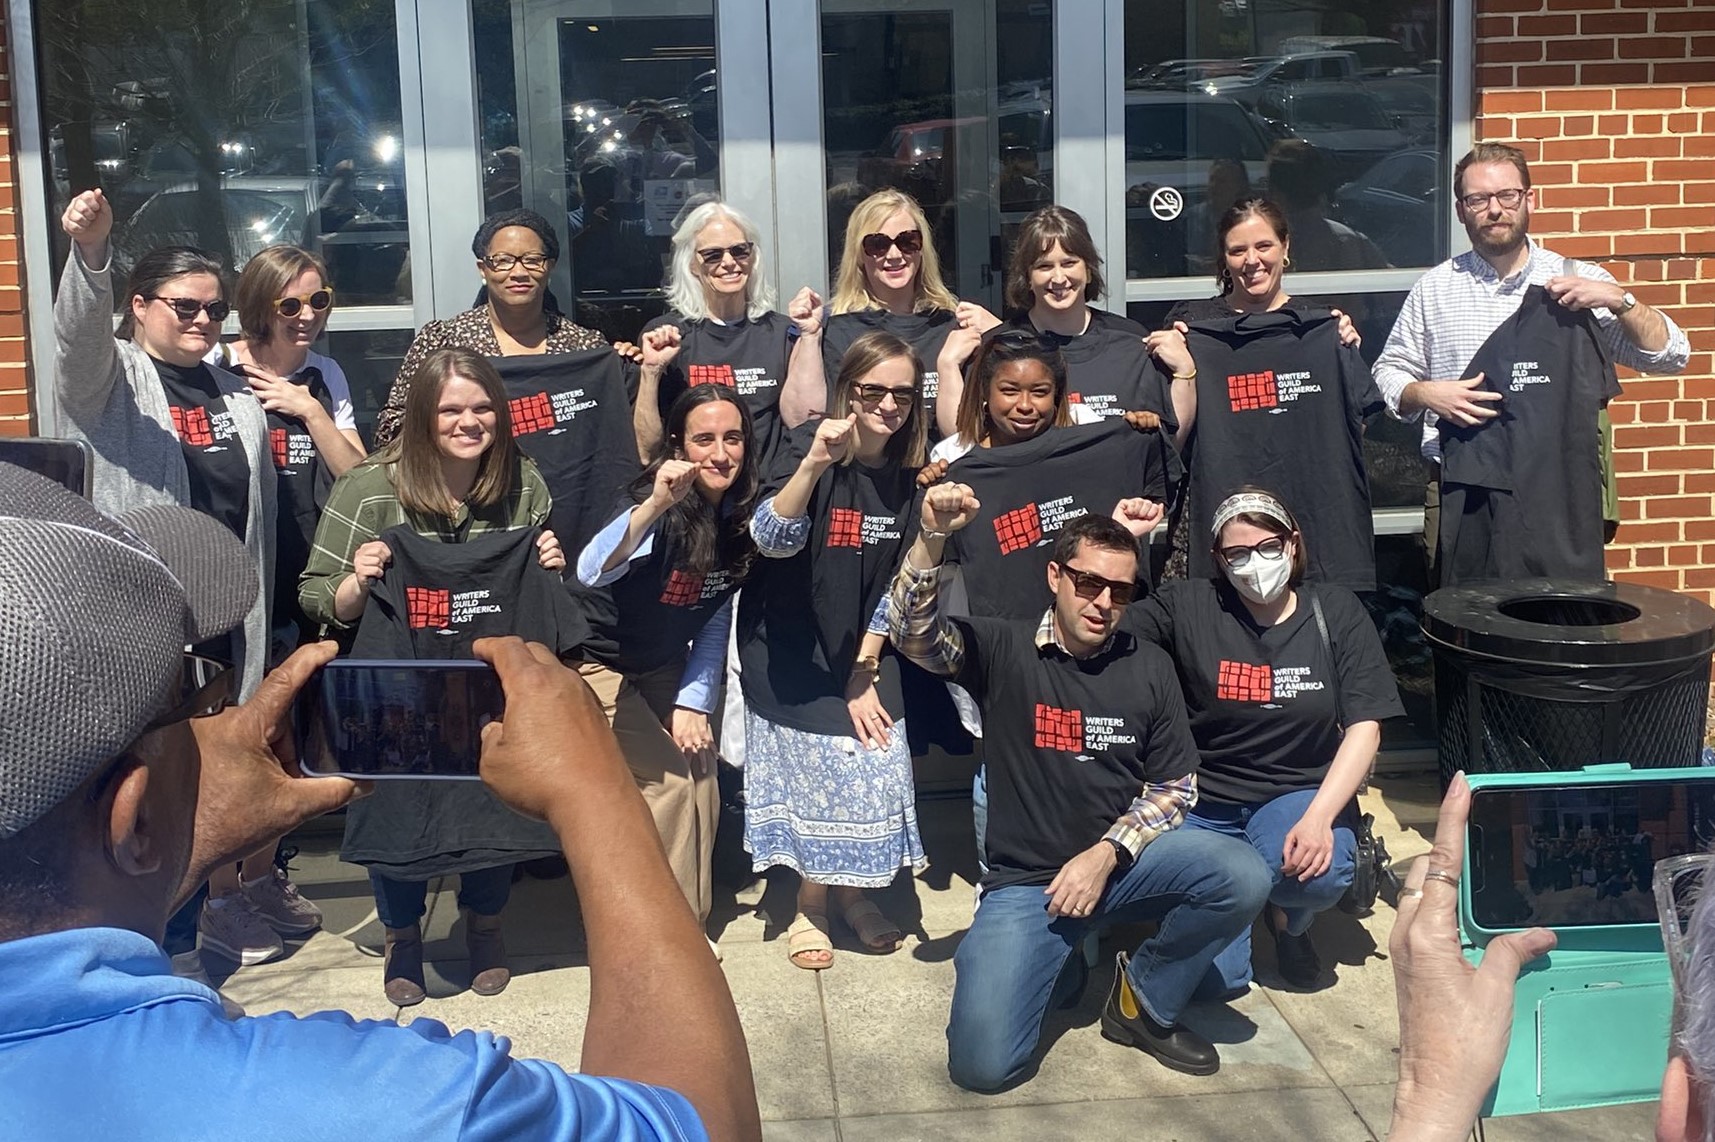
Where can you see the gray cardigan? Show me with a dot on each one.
(111, 396)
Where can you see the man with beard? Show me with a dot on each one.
(1492, 351)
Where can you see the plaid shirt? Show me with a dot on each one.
(1454, 308)
(919, 632)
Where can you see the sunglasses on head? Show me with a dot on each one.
(206, 687)
(1089, 586)
(319, 302)
(872, 395)
(187, 308)
(908, 241)
(714, 255)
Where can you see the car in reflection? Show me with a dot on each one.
(1187, 73)
(1377, 55)
(1267, 74)
(1413, 102)
(1398, 204)
(1342, 120)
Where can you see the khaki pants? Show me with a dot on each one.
(685, 805)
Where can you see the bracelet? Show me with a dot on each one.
(925, 533)
(1191, 376)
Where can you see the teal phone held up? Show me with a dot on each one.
(1576, 852)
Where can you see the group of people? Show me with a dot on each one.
(853, 518)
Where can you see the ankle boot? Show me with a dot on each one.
(402, 967)
(489, 974)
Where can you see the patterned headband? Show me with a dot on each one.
(1249, 503)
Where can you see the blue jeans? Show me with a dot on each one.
(400, 903)
(1204, 888)
(1264, 826)
(980, 814)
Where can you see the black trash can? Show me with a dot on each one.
(1550, 674)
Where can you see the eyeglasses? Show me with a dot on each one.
(1089, 586)
(503, 263)
(206, 687)
(319, 302)
(872, 395)
(714, 255)
(187, 308)
(908, 241)
(1509, 199)
(1238, 556)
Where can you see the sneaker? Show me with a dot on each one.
(189, 965)
(237, 933)
(1178, 1047)
(277, 900)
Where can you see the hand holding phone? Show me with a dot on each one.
(380, 719)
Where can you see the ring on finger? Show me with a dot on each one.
(1443, 876)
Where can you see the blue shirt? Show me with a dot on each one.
(98, 1039)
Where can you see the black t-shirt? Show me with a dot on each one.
(1109, 371)
(750, 356)
(924, 332)
(1069, 743)
(801, 619)
(1030, 490)
(1267, 705)
(208, 433)
(1280, 404)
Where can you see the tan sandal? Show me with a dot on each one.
(874, 931)
(807, 936)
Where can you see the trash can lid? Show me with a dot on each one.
(1570, 622)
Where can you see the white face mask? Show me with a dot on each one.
(1262, 581)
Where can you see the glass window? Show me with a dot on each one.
(280, 127)
(371, 359)
(1332, 110)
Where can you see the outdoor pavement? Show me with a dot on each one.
(858, 1052)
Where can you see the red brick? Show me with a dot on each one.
(1493, 6)
(1678, 507)
(1679, 122)
(1584, 246)
(1648, 97)
(1578, 99)
(1689, 217)
(1607, 221)
(1584, 196)
(1557, 25)
(1611, 73)
(1536, 127)
(1680, 459)
(1649, 557)
(1653, 436)
(1591, 49)
(1659, 486)
(1661, 146)
(1654, 389)
(1501, 75)
(1700, 529)
(1578, 5)
(1509, 51)
(1666, 531)
(1679, 170)
(1565, 75)
(1698, 20)
(1572, 150)
(1613, 23)
(1647, 194)
(1651, 124)
(1696, 71)
(1613, 172)
(1653, 244)
(1613, 124)
(1494, 28)
(1667, 579)
(1651, 47)
(1698, 191)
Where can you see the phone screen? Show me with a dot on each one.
(1575, 856)
(397, 719)
(65, 462)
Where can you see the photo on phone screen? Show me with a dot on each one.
(1580, 855)
(68, 463)
(397, 719)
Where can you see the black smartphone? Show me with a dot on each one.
(68, 463)
(1580, 855)
(376, 719)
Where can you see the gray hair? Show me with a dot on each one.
(1697, 1004)
(685, 289)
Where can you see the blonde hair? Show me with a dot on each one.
(685, 294)
(851, 286)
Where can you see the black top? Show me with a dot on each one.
(1030, 490)
(1268, 704)
(214, 455)
(924, 332)
(1109, 370)
(801, 619)
(1280, 404)
(1068, 743)
(750, 356)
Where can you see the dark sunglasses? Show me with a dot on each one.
(188, 307)
(1238, 556)
(908, 241)
(714, 255)
(1088, 586)
(873, 395)
(319, 302)
(206, 687)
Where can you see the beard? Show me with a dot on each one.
(1498, 243)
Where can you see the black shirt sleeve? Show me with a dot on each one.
(1151, 619)
(1172, 751)
(1367, 689)
(979, 635)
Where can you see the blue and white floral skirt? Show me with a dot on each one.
(827, 807)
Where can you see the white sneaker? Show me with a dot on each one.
(277, 901)
(233, 930)
(189, 965)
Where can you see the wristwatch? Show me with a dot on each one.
(1628, 302)
(1122, 855)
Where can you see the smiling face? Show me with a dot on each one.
(714, 442)
(1255, 257)
(517, 285)
(302, 330)
(883, 397)
(729, 275)
(1020, 401)
(1495, 231)
(1058, 279)
(465, 420)
(893, 271)
(163, 334)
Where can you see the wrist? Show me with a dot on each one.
(1413, 1121)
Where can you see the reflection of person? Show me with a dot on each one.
(828, 784)
(1280, 761)
(1299, 179)
(1550, 522)
(1075, 843)
(115, 811)
(452, 473)
(515, 253)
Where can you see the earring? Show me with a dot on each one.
(1286, 262)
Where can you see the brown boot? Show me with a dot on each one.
(403, 967)
(489, 974)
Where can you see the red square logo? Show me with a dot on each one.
(1018, 529)
(531, 414)
(845, 529)
(1242, 682)
(711, 375)
(1074, 398)
(684, 589)
(428, 608)
(1247, 391)
(193, 426)
(1059, 729)
(278, 444)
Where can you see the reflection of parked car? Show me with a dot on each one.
(1376, 55)
(1270, 73)
(1412, 104)
(1342, 120)
(1186, 73)
(1398, 204)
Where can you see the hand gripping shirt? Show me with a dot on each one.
(750, 357)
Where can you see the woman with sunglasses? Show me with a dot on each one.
(720, 316)
(1287, 686)
(890, 279)
(514, 315)
(828, 780)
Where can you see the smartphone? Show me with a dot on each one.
(68, 463)
(1570, 854)
(380, 719)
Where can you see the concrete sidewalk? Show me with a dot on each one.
(858, 1052)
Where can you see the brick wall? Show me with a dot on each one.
(1613, 101)
(15, 417)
